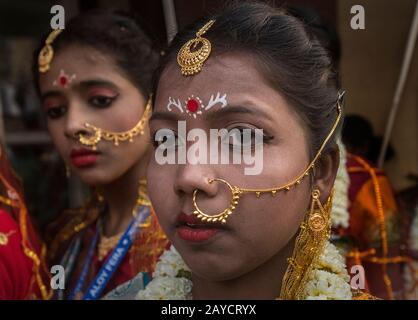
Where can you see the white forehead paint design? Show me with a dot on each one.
(194, 106)
(63, 79)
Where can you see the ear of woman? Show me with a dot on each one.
(325, 172)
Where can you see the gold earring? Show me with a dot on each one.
(67, 171)
(317, 216)
(99, 195)
(314, 231)
(143, 199)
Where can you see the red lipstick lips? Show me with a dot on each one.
(192, 229)
(83, 157)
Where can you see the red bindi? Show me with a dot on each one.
(192, 105)
(63, 80)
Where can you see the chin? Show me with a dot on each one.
(94, 178)
(216, 272)
(213, 267)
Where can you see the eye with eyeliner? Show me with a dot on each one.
(102, 101)
(54, 107)
(266, 137)
(55, 112)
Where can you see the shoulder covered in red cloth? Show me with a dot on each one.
(15, 267)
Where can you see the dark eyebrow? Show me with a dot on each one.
(85, 84)
(96, 82)
(232, 109)
(165, 115)
(49, 94)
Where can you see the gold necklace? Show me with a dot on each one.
(106, 244)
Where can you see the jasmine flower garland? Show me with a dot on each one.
(328, 279)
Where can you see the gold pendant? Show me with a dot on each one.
(45, 57)
(195, 52)
(47, 52)
(317, 222)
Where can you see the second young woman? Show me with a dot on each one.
(94, 81)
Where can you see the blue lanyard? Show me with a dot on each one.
(69, 261)
(111, 264)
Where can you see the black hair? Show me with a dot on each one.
(115, 34)
(323, 30)
(288, 54)
(357, 134)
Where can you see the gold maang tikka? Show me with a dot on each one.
(236, 191)
(47, 52)
(115, 137)
(195, 52)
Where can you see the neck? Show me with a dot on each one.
(261, 283)
(120, 196)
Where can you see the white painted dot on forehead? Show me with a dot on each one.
(194, 106)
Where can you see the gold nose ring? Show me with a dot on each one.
(224, 215)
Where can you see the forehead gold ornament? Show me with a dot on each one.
(47, 52)
(195, 52)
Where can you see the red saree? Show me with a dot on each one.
(23, 273)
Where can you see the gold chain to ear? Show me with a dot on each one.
(115, 137)
(237, 191)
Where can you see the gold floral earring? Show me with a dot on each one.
(315, 230)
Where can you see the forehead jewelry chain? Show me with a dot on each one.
(236, 192)
(115, 137)
(195, 52)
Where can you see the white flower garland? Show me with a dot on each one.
(411, 271)
(327, 281)
(339, 214)
(168, 282)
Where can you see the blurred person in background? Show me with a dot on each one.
(374, 232)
